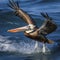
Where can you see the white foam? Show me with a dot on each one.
(21, 47)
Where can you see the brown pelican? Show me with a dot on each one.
(31, 30)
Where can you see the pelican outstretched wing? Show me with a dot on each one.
(48, 26)
(19, 12)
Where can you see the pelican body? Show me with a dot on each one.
(31, 30)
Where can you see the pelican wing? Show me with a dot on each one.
(48, 26)
(18, 29)
(19, 12)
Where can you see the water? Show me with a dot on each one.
(18, 47)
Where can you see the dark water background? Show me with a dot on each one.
(16, 46)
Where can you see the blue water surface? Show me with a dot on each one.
(18, 47)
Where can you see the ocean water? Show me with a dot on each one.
(18, 47)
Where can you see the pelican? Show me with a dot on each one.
(32, 31)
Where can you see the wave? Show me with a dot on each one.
(35, 6)
(50, 0)
(11, 47)
(49, 8)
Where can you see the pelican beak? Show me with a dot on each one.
(18, 29)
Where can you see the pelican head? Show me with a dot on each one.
(30, 28)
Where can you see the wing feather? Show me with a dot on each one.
(48, 26)
(19, 12)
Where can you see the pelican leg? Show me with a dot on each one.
(45, 48)
(36, 45)
(37, 48)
